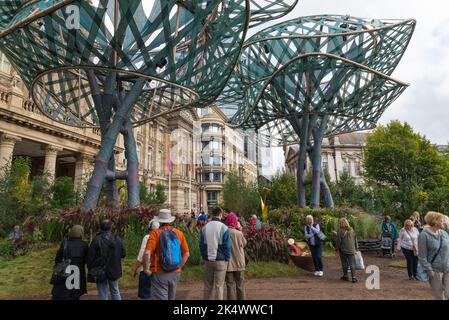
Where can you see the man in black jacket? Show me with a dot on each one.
(107, 250)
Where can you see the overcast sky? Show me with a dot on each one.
(425, 65)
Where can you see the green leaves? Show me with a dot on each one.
(240, 195)
(283, 191)
(408, 167)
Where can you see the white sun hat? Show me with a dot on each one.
(165, 216)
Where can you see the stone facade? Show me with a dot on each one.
(343, 153)
(62, 150)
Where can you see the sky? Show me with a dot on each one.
(425, 65)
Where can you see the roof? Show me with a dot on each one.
(355, 138)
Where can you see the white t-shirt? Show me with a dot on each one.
(143, 247)
(408, 238)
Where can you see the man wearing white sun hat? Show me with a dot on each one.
(165, 255)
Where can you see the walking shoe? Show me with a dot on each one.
(411, 278)
(344, 278)
(320, 273)
(316, 273)
(354, 280)
(415, 278)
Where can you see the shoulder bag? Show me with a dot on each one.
(59, 271)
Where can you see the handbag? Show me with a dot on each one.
(422, 274)
(59, 270)
(144, 289)
(321, 235)
(359, 263)
(98, 274)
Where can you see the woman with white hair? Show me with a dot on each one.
(144, 280)
(433, 245)
(408, 244)
(314, 238)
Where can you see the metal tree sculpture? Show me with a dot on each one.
(115, 64)
(318, 76)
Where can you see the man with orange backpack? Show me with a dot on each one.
(166, 253)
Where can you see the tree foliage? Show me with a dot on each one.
(240, 195)
(150, 198)
(283, 191)
(405, 171)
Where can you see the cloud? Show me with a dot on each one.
(425, 65)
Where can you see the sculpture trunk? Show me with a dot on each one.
(318, 134)
(302, 157)
(112, 197)
(328, 199)
(107, 148)
(132, 180)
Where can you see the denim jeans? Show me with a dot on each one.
(317, 253)
(103, 289)
(412, 262)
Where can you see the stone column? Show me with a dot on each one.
(7, 143)
(83, 165)
(51, 154)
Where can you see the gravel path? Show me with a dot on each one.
(394, 285)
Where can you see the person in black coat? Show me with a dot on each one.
(107, 250)
(76, 251)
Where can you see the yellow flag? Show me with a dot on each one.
(264, 204)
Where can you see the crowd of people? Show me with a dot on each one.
(164, 252)
(161, 258)
(425, 247)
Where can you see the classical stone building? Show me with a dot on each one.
(222, 150)
(343, 153)
(198, 170)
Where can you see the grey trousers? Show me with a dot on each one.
(214, 279)
(440, 286)
(348, 261)
(235, 285)
(163, 285)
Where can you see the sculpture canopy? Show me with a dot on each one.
(115, 64)
(335, 65)
(185, 49)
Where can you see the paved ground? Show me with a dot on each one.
(394, 285)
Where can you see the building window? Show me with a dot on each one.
(346, 165)
(160, 134)
(138, 152)
(159, 163)
(150, 158)
(212, 198)
(213, 128)
(357, 167)
(5, 65)
(325, 165)
(186, 197)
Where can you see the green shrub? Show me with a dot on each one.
(64, 195)
(193, 242)
(7, 248)
(55, 230)
(134, 233)
(267, 244)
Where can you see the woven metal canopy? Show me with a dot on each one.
(115, 64)
(335, 65)
(185, 50)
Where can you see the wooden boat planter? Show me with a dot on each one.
(303, 262)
